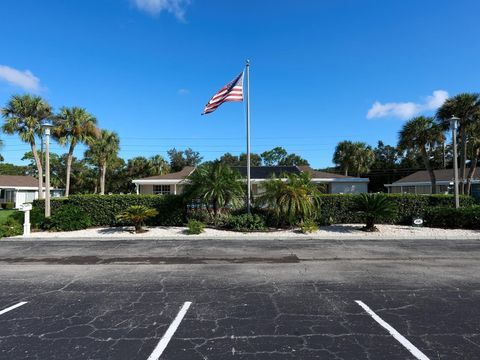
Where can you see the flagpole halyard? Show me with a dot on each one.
(247, 70)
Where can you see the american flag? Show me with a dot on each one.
(233, 91)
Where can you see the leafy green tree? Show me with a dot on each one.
(103, 151)
(136, 215)
(181, 158)
(422, 135)
(229, 159)
(24, 115)
(11, 169)
(294, 200)
(293, 160)
(386, 156)
(374, 207)
(255, 159)
(74, 125)
(274, 157)
(465, 106)
(217, 186)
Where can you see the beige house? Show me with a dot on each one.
(19, 189)
(174, 183)
(419, 183)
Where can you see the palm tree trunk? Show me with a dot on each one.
(39, 168)
(471, 172)
(103, 172)
(69, 168)
(346, 171)
(429, 168)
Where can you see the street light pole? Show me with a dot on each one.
(47, 126)
(453, 125)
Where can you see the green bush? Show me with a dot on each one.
(195, 227)
(103, 209)
(246, 222)
(340, 208)
(37, 217)
(68, 218)
(136, 215)
(11, 227)
(451, 218)
(9, 206)
(308, 226)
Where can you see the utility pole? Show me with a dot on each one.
(453, 125)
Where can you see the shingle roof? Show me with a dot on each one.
(187, 170)
(423, 176)
(18, 181)
(322, 174)
(266, 172)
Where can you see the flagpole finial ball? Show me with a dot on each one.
(247, 61)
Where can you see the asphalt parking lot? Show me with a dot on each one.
(329, 309)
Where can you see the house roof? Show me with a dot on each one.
(256, 172)
(15, 181)
(182, 174)
(423, 176)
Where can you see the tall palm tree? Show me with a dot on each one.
(102, 151)
(466, 107)
(24, 115)
(421, 135)
(293, 200)
(158, 165)
(217, 185)
(74, 125)
(354, 156)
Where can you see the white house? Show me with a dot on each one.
(174, 183)
(18, 189)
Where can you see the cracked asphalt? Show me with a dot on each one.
(259, 309)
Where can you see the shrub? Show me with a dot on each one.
(136, 216)
(338, 209)
(308, 226)
(195, 227)
(103, 209)
(245, 222)
(9, 206)
(68, 218)
(11, 227)
(37, 217)
(373, 207)
(451, 218)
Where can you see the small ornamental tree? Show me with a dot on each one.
(373, 207)
(136, 215)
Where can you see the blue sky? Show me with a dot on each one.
(322, 71)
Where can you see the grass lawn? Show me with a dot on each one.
(4, 214)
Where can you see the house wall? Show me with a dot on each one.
(348, 188)
(417, 189)
(148, 189)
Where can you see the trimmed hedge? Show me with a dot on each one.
(103, 209)
(451, 218)
(338, 209)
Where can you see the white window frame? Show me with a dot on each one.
(161, 189)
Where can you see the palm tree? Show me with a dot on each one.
(103, 151)
(158, 165)
(353, 156)
(293, 198)
(217, 185)
(24, 115)
(421, 135)
(343, 156)
(374, 207)
(74, 125)
(466, 107)
(136, 215)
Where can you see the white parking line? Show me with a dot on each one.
(402, 340)
(12, 307)
(157, 352)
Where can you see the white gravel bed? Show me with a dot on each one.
(340, 232)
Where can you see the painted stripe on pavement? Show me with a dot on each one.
(12, 307)
(399, 337)
(161, 346)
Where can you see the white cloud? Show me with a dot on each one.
(406, 110)
(155, 7)
(23, 79)
(183, 91)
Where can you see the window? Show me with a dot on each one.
(161, 189)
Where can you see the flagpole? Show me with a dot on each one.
(247, 69)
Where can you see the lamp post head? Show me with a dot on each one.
(47, 125)
(454, 122)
